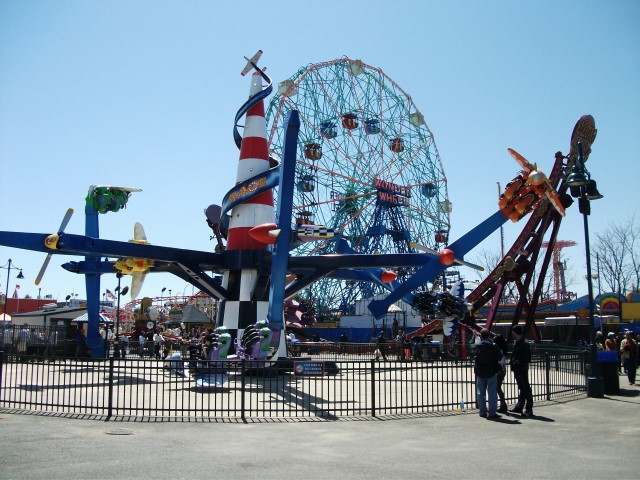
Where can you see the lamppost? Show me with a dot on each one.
(598, 278)
(116, 344)
(584, 189)
(8, 267)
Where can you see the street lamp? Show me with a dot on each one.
(584, 188)
(116, 345)
(8, 267)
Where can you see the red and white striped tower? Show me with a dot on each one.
(242, 308)
(254, 160)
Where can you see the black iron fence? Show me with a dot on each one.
(309, 386)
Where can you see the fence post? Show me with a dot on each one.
(242, 388)
(1, 370)
(110, 396)
(373, 387)
(547, 369)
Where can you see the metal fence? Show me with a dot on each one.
(306, 387)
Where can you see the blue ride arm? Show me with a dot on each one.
(460, 247)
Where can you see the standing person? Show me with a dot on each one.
(23, 337)
(141, 342)
(629, 354)
(520, 359)
(124, 345)
(416, 348)
(486, 367)
(619, 339)
(381, 344)
(501, 343)
(477, 340)
(80, 342)
(343, 342)
(52, 342)
(158, 340)
(599, 341)
(611, 345)
(401, 338)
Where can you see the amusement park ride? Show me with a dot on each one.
(359, 224)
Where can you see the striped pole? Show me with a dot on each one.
(254, 160)
(242, 308)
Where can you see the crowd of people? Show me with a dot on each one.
(158, 342)
(626, 347)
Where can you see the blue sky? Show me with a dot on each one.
(143, 93)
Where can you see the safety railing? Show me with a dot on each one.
(305, 387)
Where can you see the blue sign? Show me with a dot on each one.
(308, 369)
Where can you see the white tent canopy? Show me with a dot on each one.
(84, 318)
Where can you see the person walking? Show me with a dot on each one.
(629, 354)
(501, 343)
(520, 359)
(486, 367)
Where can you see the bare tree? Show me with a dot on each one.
(634, 247)
(491, 258)
(488, 259)
(618, 253)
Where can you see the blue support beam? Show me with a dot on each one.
(95, 343)
(280, 259)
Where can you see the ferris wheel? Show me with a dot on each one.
(367, 167)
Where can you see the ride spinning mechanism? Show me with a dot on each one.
(246, 219)
(532, 187)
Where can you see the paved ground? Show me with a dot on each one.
(578, 439)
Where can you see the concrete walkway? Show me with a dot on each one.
(581, 438)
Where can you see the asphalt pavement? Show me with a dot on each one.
(578, 438)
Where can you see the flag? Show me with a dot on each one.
(110, 295)
(15, 292)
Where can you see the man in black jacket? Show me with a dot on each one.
(520, 359)
(382, 346)
(486, 368)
